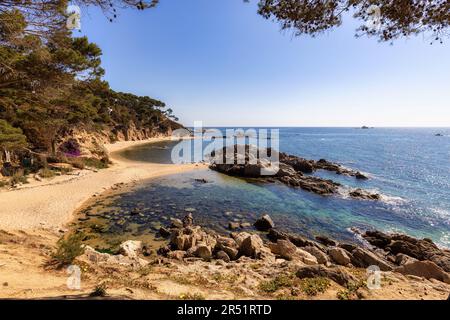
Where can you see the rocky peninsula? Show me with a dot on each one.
(293, 171)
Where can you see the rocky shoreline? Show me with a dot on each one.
(281, 254)
(292, 170)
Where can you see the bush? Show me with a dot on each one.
(68, 249)
(4, 183)
(102, 163)
(46, 173)
(77, 163)
(314, 286)
(18, 177)
(99, 291)
(278, 282)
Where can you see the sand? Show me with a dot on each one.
(50, 204)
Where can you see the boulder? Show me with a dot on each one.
(176, 255)
(420, 249)
(283, 248)
(299, 241)
(165, 233)
(240, 237)
(326, 241)
(233, 253)
(130, 248)
(222, 255)
(401, 259)
(338, 274)
(251, 246)
(340, 256)
(425, 269)
(349, 247)
(321, 256)
(176, 223)
(306, 257)
(264, 223)
(204, 252)
(364, 195)
(364, 258)
(188, 220)
(233, 225)
(90, 255)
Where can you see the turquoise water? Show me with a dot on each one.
(410, 167)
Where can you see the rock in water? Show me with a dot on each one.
(264, 223)
(326, 241)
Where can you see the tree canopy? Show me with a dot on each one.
(50, 81)
(385, 19)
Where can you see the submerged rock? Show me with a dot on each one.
(264, 223)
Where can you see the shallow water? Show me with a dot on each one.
(410, 167)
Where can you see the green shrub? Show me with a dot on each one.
(68, 249)
(46, 173)
(102, 163)
(278, 282)
(76, 163)
(191, 296)
(99, 291)
(4, 183)
(18, 177)
(314, 286)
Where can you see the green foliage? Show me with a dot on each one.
(314, 286)
(192, 296)
(46, 173)
(68, 249)
(278, 282)
(18, 178)
(351, 292)
(11, 138)
(50, 83)
(99, 291)
(96, 163)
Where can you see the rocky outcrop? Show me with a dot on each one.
(340, 256)
(424, 269)
(338, 275)
(290, 170)
(420, 249)
(364, 258)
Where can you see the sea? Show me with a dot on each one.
(409, 167)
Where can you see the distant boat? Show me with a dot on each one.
(438, 135)
(366, 127)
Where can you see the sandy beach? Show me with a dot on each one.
(50, 204)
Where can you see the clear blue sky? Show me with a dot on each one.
(219, 62)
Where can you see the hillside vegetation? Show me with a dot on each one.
(54, 105)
